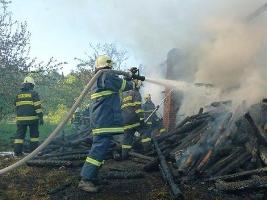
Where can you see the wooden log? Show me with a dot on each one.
(174, 188)
(258, 132)
(185, 128)
(263, 154)
(151, 166)
(235, 164)
(138, 155)
(239, 175)
(223, 162)
(255, 182)
(205, 160)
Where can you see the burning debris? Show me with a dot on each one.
(220, 145)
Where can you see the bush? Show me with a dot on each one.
(56, 117)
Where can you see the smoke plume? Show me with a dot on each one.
(234, 59)
(222, 47)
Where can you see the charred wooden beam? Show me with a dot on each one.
(258, 132)
(255, 182)
(239, 175)
(174, 188)
(235, 164)
(151, 166)
(138, 155)
(263, 154)
(223, 162)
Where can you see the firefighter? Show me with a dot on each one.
(29, 114)
(158, 127)
(133, 117)
(106, 119)
(148, 108)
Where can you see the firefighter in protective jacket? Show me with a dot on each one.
(133, 117)
(106, 119)
(29, 114)
(148, 108)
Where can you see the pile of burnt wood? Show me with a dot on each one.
(222, 145)
(67, 150)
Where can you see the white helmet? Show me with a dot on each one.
(103, 61)
(29, 79)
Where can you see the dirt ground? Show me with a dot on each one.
(31, 183)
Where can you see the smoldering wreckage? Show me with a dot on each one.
(222, 149)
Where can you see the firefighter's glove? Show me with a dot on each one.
(137, 83)
(137, 134)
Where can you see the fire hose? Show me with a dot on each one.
(68, 116)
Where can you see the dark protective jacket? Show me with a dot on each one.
(28, 106)
(160, 126)
(148, 108)
(131, 109)
(105, 111)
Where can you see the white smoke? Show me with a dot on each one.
(226, 50)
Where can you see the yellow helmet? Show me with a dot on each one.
(29, 79)
(147, 96)
(103, 61)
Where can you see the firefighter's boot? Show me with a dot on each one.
(88, 186)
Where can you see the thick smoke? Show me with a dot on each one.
(234, 60)
(223, 47)
(227, 51)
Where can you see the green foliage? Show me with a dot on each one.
(56, 116)
(57, 92)
(118, 56)
(8, 131)
(15, 62)
(14, 49)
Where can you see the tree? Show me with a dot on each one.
(85, 66)
(14, 50)
(15, 62)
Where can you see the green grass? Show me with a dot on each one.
(8, 131)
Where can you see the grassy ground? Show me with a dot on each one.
(30, 183)
(8, 131)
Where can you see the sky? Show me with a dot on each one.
(63, 29)
(213, 32)
(146, 29)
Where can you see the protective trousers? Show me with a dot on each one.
(146, 138)
(127, 143)
(96, 156)
(20, 136)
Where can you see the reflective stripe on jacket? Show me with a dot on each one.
(105, 110)
(132, 112)
(28, 106)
